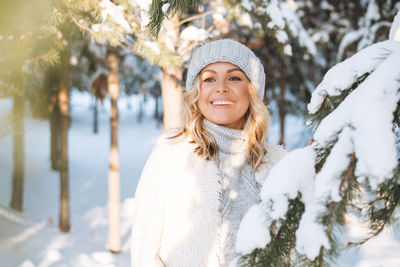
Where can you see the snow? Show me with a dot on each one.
(348, 39)
(165, 7)
(115, 13)
(284, 183)
(281, 185)
(376, 99)
(365, 114)
(372, 11)
(394, 34)
(325, 5)
(288, 50)
(145, 19)
(32, 238)
(328, 179)
(310, 235)
(248, 5)
(153, 46)
(245, 20)
(297, 30)
(253, 233)
(343, 75)
(281, 36)
(193, 33)
(101, 28)
(366, 33)
(275, 14)
(143, 4)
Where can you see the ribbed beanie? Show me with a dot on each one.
(226, 50)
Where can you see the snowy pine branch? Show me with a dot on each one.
(352, 167)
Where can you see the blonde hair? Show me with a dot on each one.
(255, 126)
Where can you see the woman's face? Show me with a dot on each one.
(224, 94)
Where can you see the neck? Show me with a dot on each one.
(229, 141)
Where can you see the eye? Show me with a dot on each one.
(235, 78)
(209, 79)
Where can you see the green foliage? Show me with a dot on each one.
(175, 6)
(278, 251)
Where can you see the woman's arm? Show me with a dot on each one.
(149, 212)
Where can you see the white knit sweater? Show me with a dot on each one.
(240, 190)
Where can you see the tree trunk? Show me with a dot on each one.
(55, 120)
(156, 108)
(95, 116)
(282, 103)
(63, 101)
(171, 90)
(17, 195)
(140, 113)
(171, 85)
(114, 202)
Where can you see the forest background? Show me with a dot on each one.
(87, 86)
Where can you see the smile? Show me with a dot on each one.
(222, 102)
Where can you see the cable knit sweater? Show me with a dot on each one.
(239, 188)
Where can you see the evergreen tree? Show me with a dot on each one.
(20, 60)
(351, 168)
(275, 32)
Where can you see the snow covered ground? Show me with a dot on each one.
(32, 238)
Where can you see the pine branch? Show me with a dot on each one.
(330, 103)
(346, 178)
(380, 217)
(277, 252)
(175, 6)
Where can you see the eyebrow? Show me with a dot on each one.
(228, 71)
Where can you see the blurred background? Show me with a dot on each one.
(87, 86)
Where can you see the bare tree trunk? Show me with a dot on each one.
(156, 108)
(55, 119)
(171, 85)
(171, 90)
(17, 195)
(96, 116)
(282, 103)
(63, 101)
(141, 112)
(114, 195)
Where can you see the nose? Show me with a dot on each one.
(222, 87)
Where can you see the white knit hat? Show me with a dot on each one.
(226, 50)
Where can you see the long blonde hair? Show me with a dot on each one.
(255, 126)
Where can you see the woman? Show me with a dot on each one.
(199, 182)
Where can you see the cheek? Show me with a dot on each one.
(245, 98)
(203, 96)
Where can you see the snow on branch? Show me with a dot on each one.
(342, 76)
(395, 29)
(355, 146)
(368, 114)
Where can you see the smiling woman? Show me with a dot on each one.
(200, 180)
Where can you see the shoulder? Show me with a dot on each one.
(274, 153)
(172, 137)
(173, 143)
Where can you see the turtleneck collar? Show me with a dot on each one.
(229, 141)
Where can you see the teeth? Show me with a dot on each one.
(221, 102)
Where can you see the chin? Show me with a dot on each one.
(227, 123)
